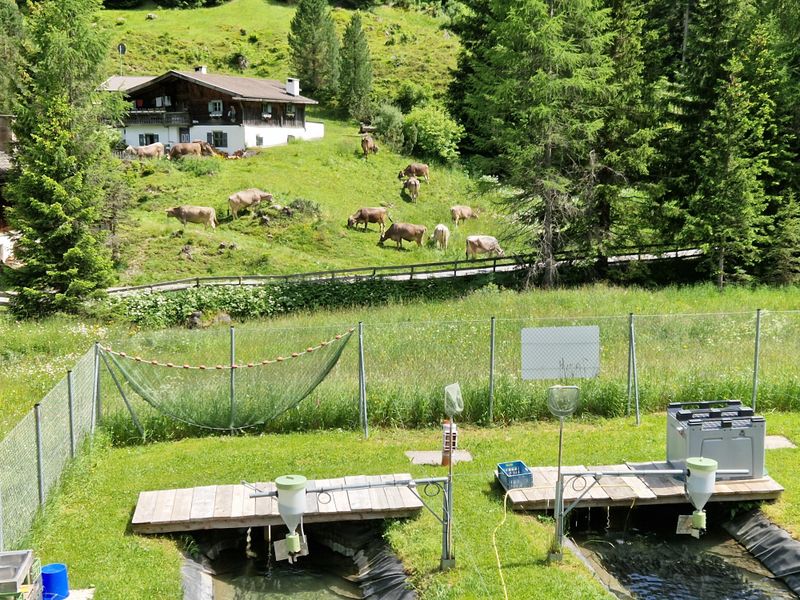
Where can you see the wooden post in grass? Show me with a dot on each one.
(633, 374)
(95, 389)
(755, 359)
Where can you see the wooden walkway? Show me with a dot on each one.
(230, 506)
(631, 491)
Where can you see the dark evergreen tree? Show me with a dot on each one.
(11, 41)
(56, 190)
(536, 101)
(624, 148)
(726, 211)
(315, 48)
(355, 78)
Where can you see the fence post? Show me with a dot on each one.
(71, 408)
(362, 382)
(491, 371)
(233, 377)
(633, 374)
(95, 389)
(37, 415)
(755, 358)
(2, 540)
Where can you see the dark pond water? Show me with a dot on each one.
(641, 557)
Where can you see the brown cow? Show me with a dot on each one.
(404, 231)
(416, 170)
(196, 148)
(411, 185)
(194, 214)
(246, 199)
(483, 244)
(368, 145)
(369, 215)
(150, 151)
(460, 212)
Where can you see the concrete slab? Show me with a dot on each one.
(434, 457)
(776, 442)
(81, 594)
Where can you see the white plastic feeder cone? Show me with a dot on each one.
(701, 473)
(291, 506)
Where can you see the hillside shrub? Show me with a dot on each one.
(168, 309)
(388, 120)
(411, 94)
(198, 166)
(164, 3)
(429, 131)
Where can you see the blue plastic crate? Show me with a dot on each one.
(514, 474)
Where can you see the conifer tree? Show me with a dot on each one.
(624, 148)
(355, 78)
(62, 154)
(537, 98)
(726, 211)
(11, 40)
(315, 48)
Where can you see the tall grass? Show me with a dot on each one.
(413, 351)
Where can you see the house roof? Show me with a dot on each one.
(122, 83)
(241, 88)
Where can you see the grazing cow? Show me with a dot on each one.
(415, 170)
(411, 185)
(441, 235)
(150, 151)
(462, 213)
(194, 214)
(483, 244)
(368, 145)
(246, 199)
(398, 232)
(196, 148)
(369, 215)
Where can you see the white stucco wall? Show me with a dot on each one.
(166, 135)
(239, 136)
(236, 135)
(275, 136)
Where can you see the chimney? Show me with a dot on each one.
(293, 86)
(201, 69)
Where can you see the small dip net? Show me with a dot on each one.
(227, 396)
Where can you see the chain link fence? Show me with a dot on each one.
(34, 454)
(646, 361)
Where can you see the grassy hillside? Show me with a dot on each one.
(405, 45)
(330, 172)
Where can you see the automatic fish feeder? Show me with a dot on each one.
(291, 506)
(701, 473)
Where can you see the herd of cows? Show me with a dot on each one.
(397, 232)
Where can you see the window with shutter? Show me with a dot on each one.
(224, 143)
(210, 137)
(259, 140)
(215, 108)
(290, 111)
(141, 139)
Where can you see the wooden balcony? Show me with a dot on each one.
(158, 117)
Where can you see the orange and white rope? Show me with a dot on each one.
(249, 365)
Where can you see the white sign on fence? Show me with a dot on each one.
(560, 352)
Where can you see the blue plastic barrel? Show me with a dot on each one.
(54, 581)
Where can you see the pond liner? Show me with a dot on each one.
(380, 574)
(770, 544)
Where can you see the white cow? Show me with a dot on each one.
(441, 235)
(483, 244)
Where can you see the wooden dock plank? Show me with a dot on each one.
(312, 504)
(145, 507)
(393, 496)
(267, 505)
(182, 508)
(165, 501)
(325, 499)
(248, 502)
(223, 501)
(237, 499)
(359, 499)
(203, 503)
(339, 497)
(406, 495)
(377, 495)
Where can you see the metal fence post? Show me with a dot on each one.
(96, 389)
(633, 374)
(71, 408)
(755, 358)
(491, 371)
(2, 540)
(37, 415)
(233, 377)
(362, 382)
